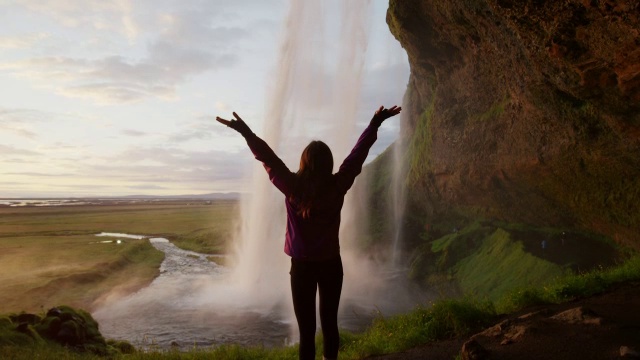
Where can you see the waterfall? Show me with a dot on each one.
(314, 95)
(398, 200)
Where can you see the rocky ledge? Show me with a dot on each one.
(606, 326)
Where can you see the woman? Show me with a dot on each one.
(314, 198)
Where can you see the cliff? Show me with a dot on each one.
(524, 111)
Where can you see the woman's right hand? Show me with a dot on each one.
(383, 114)
(238, 124)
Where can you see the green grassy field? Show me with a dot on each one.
(51, 256)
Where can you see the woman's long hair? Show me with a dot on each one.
(316, 168)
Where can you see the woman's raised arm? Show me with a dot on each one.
(278, 172)
(352, 165)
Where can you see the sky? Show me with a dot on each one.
(115, 98)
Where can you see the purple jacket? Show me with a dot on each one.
(314, 238)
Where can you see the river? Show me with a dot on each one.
(193, 304)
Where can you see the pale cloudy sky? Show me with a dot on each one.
(109, 98)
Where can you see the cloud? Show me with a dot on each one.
(113, 93)
(385, 85)
(182, 42)
(167, 165)
(135, 133)
(102, 15)
(221, 107)
(19, 131)
(6, 150)
(205, 129)
(23, 41)
(28, 123)
(41, 174)
(146, 187)
(115, 79)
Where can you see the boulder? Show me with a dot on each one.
(472, 350)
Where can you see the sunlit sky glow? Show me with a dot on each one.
(112, 98)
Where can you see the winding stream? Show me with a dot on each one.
(181, 308)
(193, 303)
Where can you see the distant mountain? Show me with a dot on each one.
(210, 196)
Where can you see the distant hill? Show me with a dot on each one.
(210, 196)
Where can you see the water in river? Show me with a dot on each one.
(179, 308)
(194, 303)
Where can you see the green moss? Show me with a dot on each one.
(494, 111)
(419, 151)
(502, 265)
(378, 196)
(124, 347)
(441, 255)
(596, 189)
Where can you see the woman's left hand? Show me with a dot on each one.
(383, 114)
(238, 124)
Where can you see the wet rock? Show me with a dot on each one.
(514, 334)
(579, 315)
(22, 327)
(629, 353)
(533, 314)
(472, 350)
(54, 312)
(26, 318)
(174, 344)
(494, 331)
(72, 327)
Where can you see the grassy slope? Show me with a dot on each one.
(49, 256)
(488, 259)
(501, 265)
(45, 271)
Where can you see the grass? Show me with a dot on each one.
(43, 271)
(441, 320)
(169, 219)
(50, 255)
(501, 265)
(571, 286)
(490, 259)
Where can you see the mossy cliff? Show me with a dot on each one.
(523, 111)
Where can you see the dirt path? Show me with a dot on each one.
(606, 323)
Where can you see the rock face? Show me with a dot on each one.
(524, 110)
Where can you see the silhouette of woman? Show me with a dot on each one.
(314, 198)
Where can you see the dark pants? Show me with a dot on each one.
(306, 277)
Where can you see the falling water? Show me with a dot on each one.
(398, 200)
(316, 95)
(316, 92)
